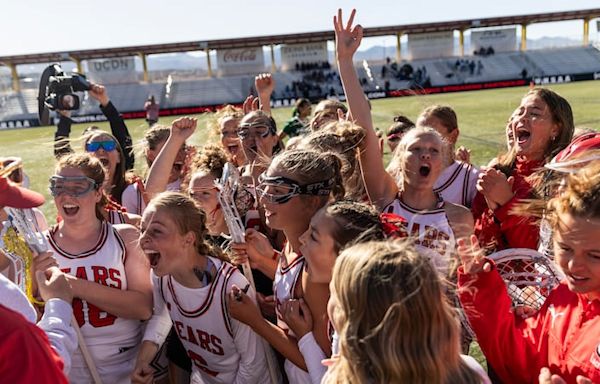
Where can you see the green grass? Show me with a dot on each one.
(482, 116)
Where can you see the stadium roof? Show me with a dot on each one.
(297, 38)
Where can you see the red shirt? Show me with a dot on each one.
(564, 335)
(25, 352)
(500, 229)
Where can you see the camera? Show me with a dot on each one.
(57, 91)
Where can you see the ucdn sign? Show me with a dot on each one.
(110, 71)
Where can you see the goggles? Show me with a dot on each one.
(289, 188)
(256, 129)
(94, 146)
(72, 185)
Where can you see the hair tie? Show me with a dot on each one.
(394, 226)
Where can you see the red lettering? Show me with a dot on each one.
(78, 312)
(100, 275)
(179, 328)
(191, 337)
(115, 276)
(80, 273)
(201, 363)
(204, 340)
(216, 342)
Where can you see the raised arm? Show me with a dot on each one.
(380, 186)
(158, 176)
(118, 127)
(264, 84)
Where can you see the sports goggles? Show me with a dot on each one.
(71, 185)
(94, 146)
(289, 188)
(256, 129)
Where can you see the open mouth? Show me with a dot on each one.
(523, 135)
(70, 209)
(233, 148)
(153, 257)
(424, 170)
(577, 278)
(104, 161)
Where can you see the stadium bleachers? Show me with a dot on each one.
(174, 93)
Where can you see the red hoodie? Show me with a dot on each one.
(564, 335)
(499, 229)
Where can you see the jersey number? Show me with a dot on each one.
(95, 317)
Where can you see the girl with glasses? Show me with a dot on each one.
(106, 268)
(294, 187)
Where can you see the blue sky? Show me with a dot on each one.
(63, 25)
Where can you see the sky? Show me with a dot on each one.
(36, 26)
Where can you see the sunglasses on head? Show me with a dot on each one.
(71, 185)
(321, 188)
(94, 146)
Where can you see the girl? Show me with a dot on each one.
(258, 134)
(298, 125)
(227, 123)
(434, 222)
(294, 187)
(107, 270)
(562, 335)
(541, 127)
(191, 281)
(394, 323)
(134, 196)
(331, 229)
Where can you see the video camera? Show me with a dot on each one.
(57, 91)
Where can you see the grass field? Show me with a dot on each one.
(481, 114)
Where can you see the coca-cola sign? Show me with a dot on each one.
(240, 61)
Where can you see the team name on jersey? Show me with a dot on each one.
(208, 342)
(432, 237)
(106, 276)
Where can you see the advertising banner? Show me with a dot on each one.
(502, 40)
(240, 61)
(112, 71)
(431, 45)
(292, 54)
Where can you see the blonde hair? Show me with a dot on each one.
(445, 114)
(394, 322)
(396, 166)
(344, 139)
(188, 217)
(92, 168)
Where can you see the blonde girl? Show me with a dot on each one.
(394, 323)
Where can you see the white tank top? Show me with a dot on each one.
(430, 228)
(204, 326)
(112, 341)
(457, 183)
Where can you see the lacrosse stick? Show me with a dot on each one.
(529, 275)
(23, 236)
(227, 186)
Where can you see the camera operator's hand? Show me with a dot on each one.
(65, 113)
(99, 93)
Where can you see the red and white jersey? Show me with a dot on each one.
(430, 228)
(457, 183)
(287, 279)
(222, 349)
(112, 341)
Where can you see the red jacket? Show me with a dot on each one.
(499, 229)
(25, 352)
(564, 335)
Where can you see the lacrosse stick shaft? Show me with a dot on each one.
(87, 357)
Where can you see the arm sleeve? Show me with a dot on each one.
(313, 355)
(120, 131)
(56, 322)
(159, 325)
(62, 146)
(519, 231)
(515, 348)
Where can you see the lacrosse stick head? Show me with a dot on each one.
(529, 275)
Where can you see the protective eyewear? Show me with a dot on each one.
(289, 188)
(94, 146)
(257, 129)
(71, 185)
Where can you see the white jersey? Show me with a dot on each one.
(112, 341)
(222, 349)
(287, 279)
(430, 228)
(133, 200)
(457, 183)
